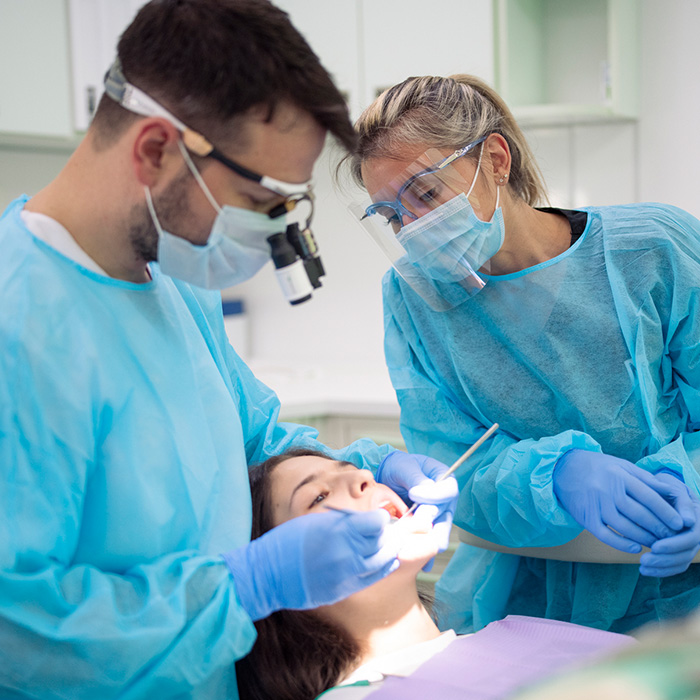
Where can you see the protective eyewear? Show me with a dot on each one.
(421, 191)
(429, 184)
(137, 101)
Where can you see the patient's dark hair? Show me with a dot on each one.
(297, 654)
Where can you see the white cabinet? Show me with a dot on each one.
(403, 38)
(337, 429)
(553, 61)
(53, 58)
(567, 61)
(95, 27)
(332, 31)
(369, 45)
(35, 78)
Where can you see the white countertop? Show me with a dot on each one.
(328, 390)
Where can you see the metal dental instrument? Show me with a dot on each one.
(466, 455)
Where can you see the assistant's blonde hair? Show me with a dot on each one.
(445, 113)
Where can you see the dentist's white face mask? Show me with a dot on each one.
(235, 251)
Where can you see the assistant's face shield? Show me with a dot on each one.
(294, 253)
(423, 220)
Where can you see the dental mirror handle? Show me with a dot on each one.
(466, 455)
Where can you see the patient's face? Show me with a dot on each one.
(307, 484)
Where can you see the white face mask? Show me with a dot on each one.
(235, 251)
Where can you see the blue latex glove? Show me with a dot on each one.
(615, 500)
(312, 560)
(413, 478)
(674, 554)
(671, 486)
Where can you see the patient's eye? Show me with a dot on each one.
(319, 499)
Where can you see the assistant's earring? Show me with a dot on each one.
(504, 177)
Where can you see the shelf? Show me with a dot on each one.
(566, 61)
(40, 144)
(567, 115)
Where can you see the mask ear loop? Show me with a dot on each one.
(478, 167)
(152, 210)
(198, 177)
(476, 174)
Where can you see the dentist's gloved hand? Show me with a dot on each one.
(312, 560)
(674, 554)
(413, 478)
(614, 499)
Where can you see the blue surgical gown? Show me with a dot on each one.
(598, 348)
(126, 426)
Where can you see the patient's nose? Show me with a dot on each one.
(359, 481)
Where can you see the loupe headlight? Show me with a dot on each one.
(294, 253)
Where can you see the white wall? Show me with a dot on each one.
(343, 320)
(669, 127)
(26, 171)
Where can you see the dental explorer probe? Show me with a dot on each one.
(466, 455)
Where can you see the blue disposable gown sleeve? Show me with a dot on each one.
(659, 310)
(265, 436)
(506, 490)
(72, 630)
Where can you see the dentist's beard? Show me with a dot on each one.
(172, 209)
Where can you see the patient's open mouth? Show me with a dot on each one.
(390, 508)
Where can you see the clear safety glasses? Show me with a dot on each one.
(418, 191)
(137, 101)
(422, 191)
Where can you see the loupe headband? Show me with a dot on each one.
(135, 100)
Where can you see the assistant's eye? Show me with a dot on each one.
(429, 195)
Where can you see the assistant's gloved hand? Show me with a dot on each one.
(413, 478)
(312, 560)
(674, 554)
(615, 500)
(672, 487)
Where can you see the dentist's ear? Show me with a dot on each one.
(154, 152)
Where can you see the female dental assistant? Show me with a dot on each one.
(577, 331)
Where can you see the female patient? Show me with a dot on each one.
(382, 630)
(299, 654)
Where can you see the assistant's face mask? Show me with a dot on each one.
(235, 251)
(425, 224)
(451, 242)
